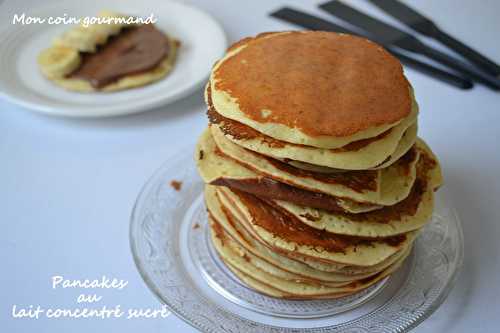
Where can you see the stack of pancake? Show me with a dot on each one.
(316, 182)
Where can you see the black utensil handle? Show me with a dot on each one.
(469, 53)
(459, 66)
(312, 22)
(435, 72)
(307, 21)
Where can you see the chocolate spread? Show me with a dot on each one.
(133, 51)
(287, 226)
(271, 189)
(268, 190)
(358, 181)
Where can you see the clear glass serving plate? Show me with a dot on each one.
(171, 248)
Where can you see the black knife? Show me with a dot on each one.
(426, 27)
(315, 23)
(399, 38)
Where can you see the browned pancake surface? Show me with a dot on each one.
(288, 227)
(241, 131)
(323, 83)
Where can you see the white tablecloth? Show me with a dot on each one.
(67, 186)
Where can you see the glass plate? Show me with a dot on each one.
(172, 251)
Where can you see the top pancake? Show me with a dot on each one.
(320, 89)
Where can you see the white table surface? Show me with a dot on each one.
(67, 186)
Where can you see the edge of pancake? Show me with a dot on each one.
(389, 189)
(218, 169)
(397, 222)
(370, 156)
(295, 289)
(354, 255)
(231, 220)
(242, 252)
(255, 246)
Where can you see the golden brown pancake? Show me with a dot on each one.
(286, 233)
(287, 226)
(275, 188)
(271, 266)
(330, 84)
(412, 213)
(220, 215)
(369, 152)
(108, 57)
(382, 187)
(238, 258)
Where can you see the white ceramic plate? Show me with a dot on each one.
(203, 42)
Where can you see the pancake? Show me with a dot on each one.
(242, 262)
(261, 287)
(381, 187)
(286, 233)
(269, 189)
(370, 156)
(128, 81)
(334, 274)
(313, 98)
(218, 169)
(355, 270)
(410, 214)
(108, 57)
(311, 167)
(357, 155)
(267, 289)
(231, 245)
(431, 163)
(213, 165)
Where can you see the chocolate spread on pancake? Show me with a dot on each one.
(230, 220)
(406, 207)
(407, 159)
(358, 181)
(271, 189)
(268, 189)
(135, 50)
(237, 130)
(217, 230)
(287, 226)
